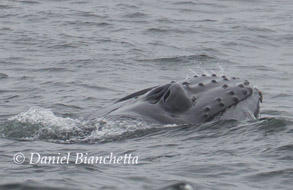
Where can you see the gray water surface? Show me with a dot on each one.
(62, 60)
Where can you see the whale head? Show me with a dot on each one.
(192, 101)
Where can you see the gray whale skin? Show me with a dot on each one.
(192, 101)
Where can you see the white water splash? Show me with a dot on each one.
(111, 127)
(200, 68)
(42, 124)
(45, 117)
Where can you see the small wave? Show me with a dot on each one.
(95, 87)
(63, 45)
(286, 147)
(178, 186)
(180, 59)
(5, 6)
(185, 3)
(273, 125)
(127, 5)
(5, 29)
(3, 76)
(255, 29)
(265, 175)
(281, 95)
(136, 15)
(156, 30)
(89, 14)
(53, 69)
(87, 23)
(30, 184)
(29, 2)
(174, 30)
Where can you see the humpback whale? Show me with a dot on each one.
(192, 101)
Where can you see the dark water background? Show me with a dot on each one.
(62, 60)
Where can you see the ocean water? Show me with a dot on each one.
(62, 60)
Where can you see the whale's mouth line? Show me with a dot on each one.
(210, 118)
